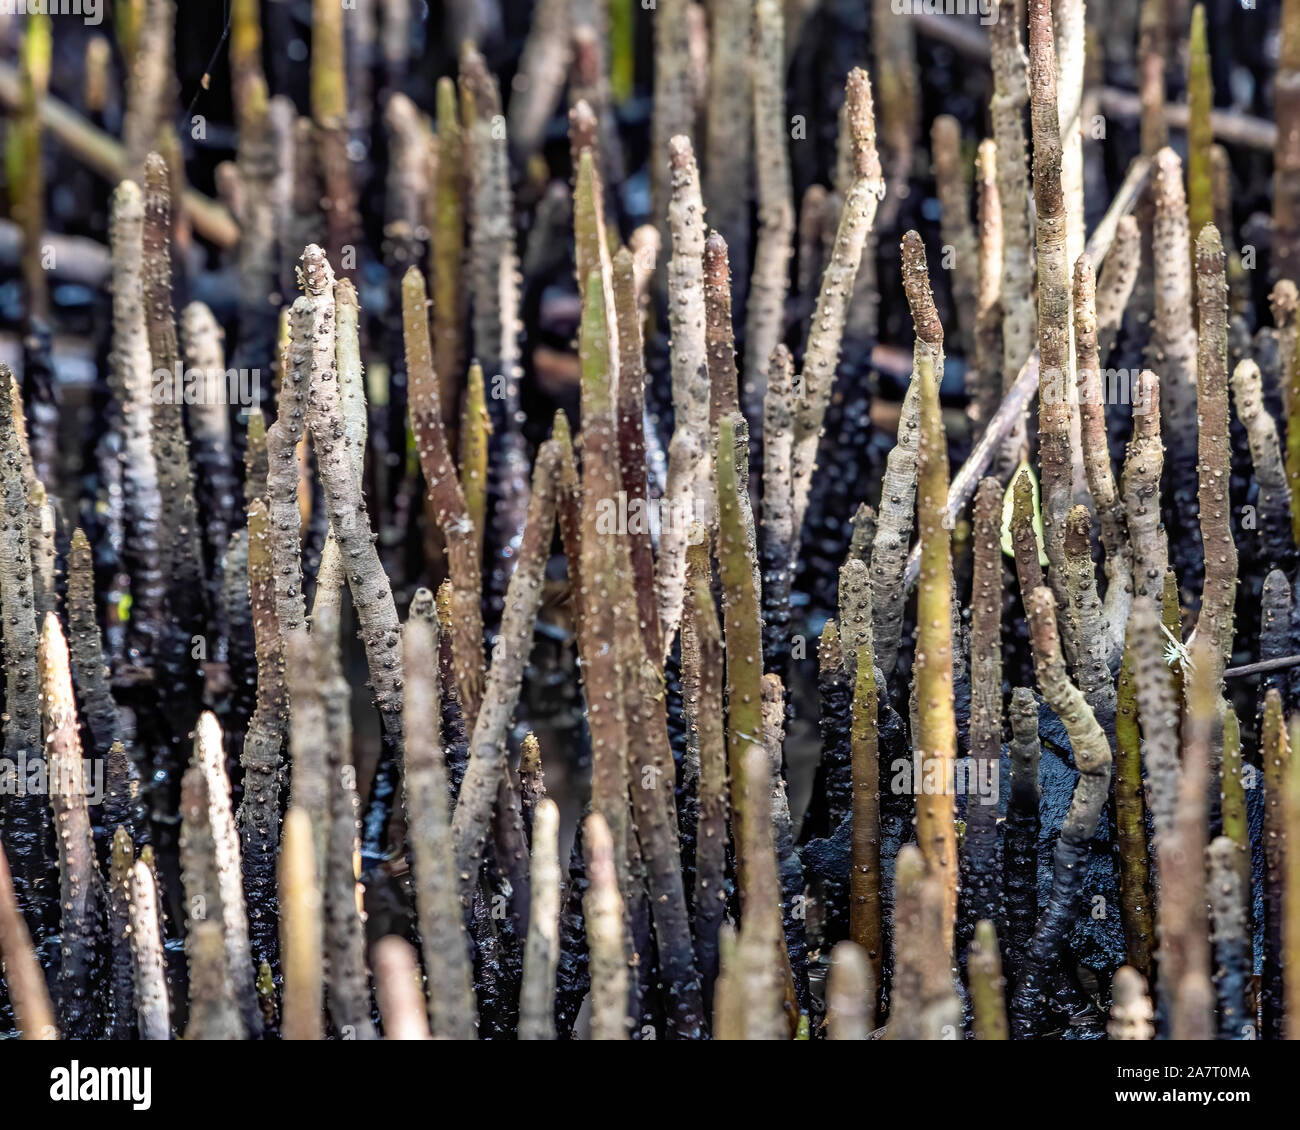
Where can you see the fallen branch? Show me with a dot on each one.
(1233, 128)
(102, 154)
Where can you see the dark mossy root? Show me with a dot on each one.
(1092, 757)
(572, 975)
(1230, 940)
(262, 756)
(1020, 843)
(789, 867)
(702, 660)
(777, 512)
(120, 1019)
(834, 783)
(26, 817)
(1130, 824)
(896, 811)
(1276, 755)
(981, 884)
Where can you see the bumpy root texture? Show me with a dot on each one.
(446, 496)
(1228, 934)
(130, 376)
(777, 510)
(1096, 458)
(372, 593)
(1143, 465)
(26, 819)
(1214, 458)
(865, 925)
(262, 757)
(89, 671)
(1025, 541)
(1092, 758)
(347, 985)
(598, 585)
(537, 997)
(689, 463)
(1084, 609)
(981, 873)
(632, 445)
(494, 298)
(770, 281)
(1291, 893)
(532, 779)
(227, 905)
(1277, 755)
(834, 722)
(1010, 95)
(307, 323)
(1020, 849)
(1055, 362)
(1119, 275)
(1158, 711)
(741, 632)
(857, 217)
(78, 878)
(152, 1007)
(1174, 343)
(761, 950)
(179, 532)
(897, 514)
(121, 988)
(1233, 798)
(702, 669)
(937, 737)
(487, 749)
(451, 1006)
(1273, 502)
(923, 1005)
(650, 770)
(1181, 923)
(1136, 908)
(789, 865)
